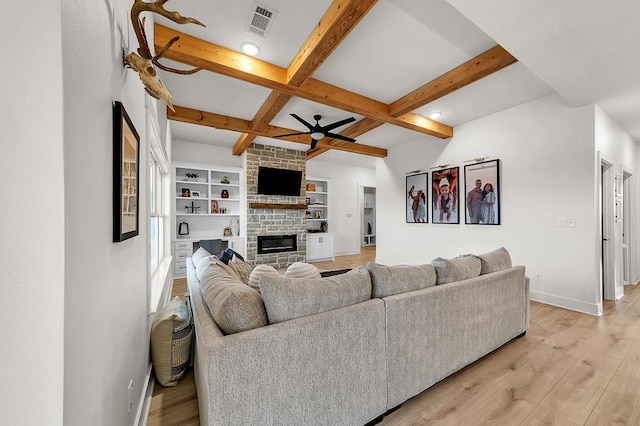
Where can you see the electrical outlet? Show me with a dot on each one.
(130, 396)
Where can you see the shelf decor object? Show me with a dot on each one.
(126, 159)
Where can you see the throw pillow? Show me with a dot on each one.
(495, 261)
(289, 298)
(234, 306)
(171, 334)
(202, 263)
(242, 269)
(458, 269)
(259, 271)
(201, 252)
(390, 280)
(302, 270)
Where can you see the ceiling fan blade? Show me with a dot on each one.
(291, 134)
(314, 142)
(337, 136)
(309, 126)
(338, 123)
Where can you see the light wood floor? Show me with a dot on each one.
(569, 369)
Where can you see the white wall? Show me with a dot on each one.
(547, 171)
(32, 212)
(193, 152)
(344, 207)
(106, 342)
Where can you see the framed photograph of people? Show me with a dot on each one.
(482, 192)
(445, 199)
(416, 198)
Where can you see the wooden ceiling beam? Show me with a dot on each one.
(472, 70)
(339, 19)
(199, 53)
(486, 63)
(224, 122)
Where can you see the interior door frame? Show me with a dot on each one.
(628, 227)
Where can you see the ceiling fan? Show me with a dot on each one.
(318, 132)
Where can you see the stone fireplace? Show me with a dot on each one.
(275, 225)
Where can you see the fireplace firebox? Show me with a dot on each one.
(277, 243)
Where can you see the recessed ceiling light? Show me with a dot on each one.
(435, 115)
(250, 49)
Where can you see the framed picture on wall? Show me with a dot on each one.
(445, 198)
(416, 198)
(126, 159)
(482, 189)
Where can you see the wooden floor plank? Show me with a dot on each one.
(620, 404)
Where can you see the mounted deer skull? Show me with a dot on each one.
(142, 62)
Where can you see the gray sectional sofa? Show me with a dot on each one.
(344, 350)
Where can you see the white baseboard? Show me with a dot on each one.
(563, 302)
(346, 253)
(144, 405)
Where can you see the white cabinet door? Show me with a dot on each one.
(326, 246)
(319, 247)
(313, 247)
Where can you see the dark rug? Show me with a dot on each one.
(334, 272)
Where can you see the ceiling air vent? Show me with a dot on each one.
(260, 20)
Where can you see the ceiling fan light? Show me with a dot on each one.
(435, 115)
(250, 49)
(317, 135)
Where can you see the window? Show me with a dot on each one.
(156, 211)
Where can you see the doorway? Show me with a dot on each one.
(607, 277)
(628, 248)
(368, 216)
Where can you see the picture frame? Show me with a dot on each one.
(195, 194)
(416, 198)
(186, 192)
(226, 232)
(445, 196)
(482, 193)
(214, 207)
(126, 164)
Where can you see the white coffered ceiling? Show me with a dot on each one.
(585, 51)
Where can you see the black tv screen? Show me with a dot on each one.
(273, 181)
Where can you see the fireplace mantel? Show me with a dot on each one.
(281, 206)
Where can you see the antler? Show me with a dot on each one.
(143, 62)
(138, 26)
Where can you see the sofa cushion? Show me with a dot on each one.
(390, 280)
(288, 298)
(171, 334)
(458, 269)
(495, 261)
(234, 306)
(302, 270)
(259, 271)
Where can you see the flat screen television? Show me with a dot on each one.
(272, 181)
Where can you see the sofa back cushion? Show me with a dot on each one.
(458, 269)
(495, 261)
(289, 298)
(390, 280)
(234, 305)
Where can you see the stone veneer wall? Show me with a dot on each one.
(274, 221)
